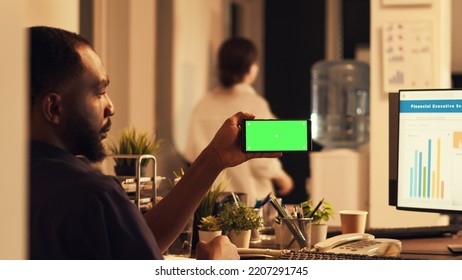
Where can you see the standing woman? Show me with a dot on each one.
(237, 70)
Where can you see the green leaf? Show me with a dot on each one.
(239, 217)
(324, 212)
(132, 142)
(207, 207)
(210, 223)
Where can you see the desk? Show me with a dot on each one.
(426, 248)
(431, 248)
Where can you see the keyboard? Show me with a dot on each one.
(309, 255)
(304, 254)
(409, 232)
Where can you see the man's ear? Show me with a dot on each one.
(52, 107)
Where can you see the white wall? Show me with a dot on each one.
(456, 36)
(251, 26)
(14, 17)
(198, 31)
(13, 212)
(439, 13)
(55, 13)
(200, 27)
(125, 40)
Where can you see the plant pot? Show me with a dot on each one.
(129, 170)
(207, 236)
(241, 240)
(255, 236)
(318, 233)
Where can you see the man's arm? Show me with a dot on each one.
(168, 217)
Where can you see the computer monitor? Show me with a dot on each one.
(426, 150)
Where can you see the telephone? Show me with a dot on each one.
(360, 243)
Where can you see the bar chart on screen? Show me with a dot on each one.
(432, 161)
(425, 179)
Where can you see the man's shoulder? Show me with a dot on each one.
(69, 176)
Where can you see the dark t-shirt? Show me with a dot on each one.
(76, 212)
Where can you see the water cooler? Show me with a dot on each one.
(340, 123)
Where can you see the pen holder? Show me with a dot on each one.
(291, 231)
(181, 247)
(255, 233)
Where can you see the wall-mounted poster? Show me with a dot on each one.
(407, 55)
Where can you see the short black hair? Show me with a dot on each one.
(235, 57)
(53, 59)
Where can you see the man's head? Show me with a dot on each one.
(69, 104)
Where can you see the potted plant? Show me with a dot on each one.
(209, 228)
(133, 142)
(320, 214)
(208, 206)
(239, 220)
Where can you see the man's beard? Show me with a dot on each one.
(87, 142)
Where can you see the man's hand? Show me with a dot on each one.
(226, 143)
(220, 248)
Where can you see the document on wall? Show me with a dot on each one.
(407, 55)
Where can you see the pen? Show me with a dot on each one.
(296, 214)
(265, 200)
(236, 200)
(300, 219)
(293, 228)
(286, 211)
(281, 210)
(316, 208)
(257, 203)
(300, 212)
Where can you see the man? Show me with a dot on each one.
(75, 211)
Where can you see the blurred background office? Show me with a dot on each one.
(160, 56)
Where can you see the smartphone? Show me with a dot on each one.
(264, 135)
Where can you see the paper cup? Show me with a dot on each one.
(353, 221)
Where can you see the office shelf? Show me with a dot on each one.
(143, 187)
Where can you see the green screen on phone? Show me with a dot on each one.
(276, 135)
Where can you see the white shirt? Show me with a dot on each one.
(252, 177)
